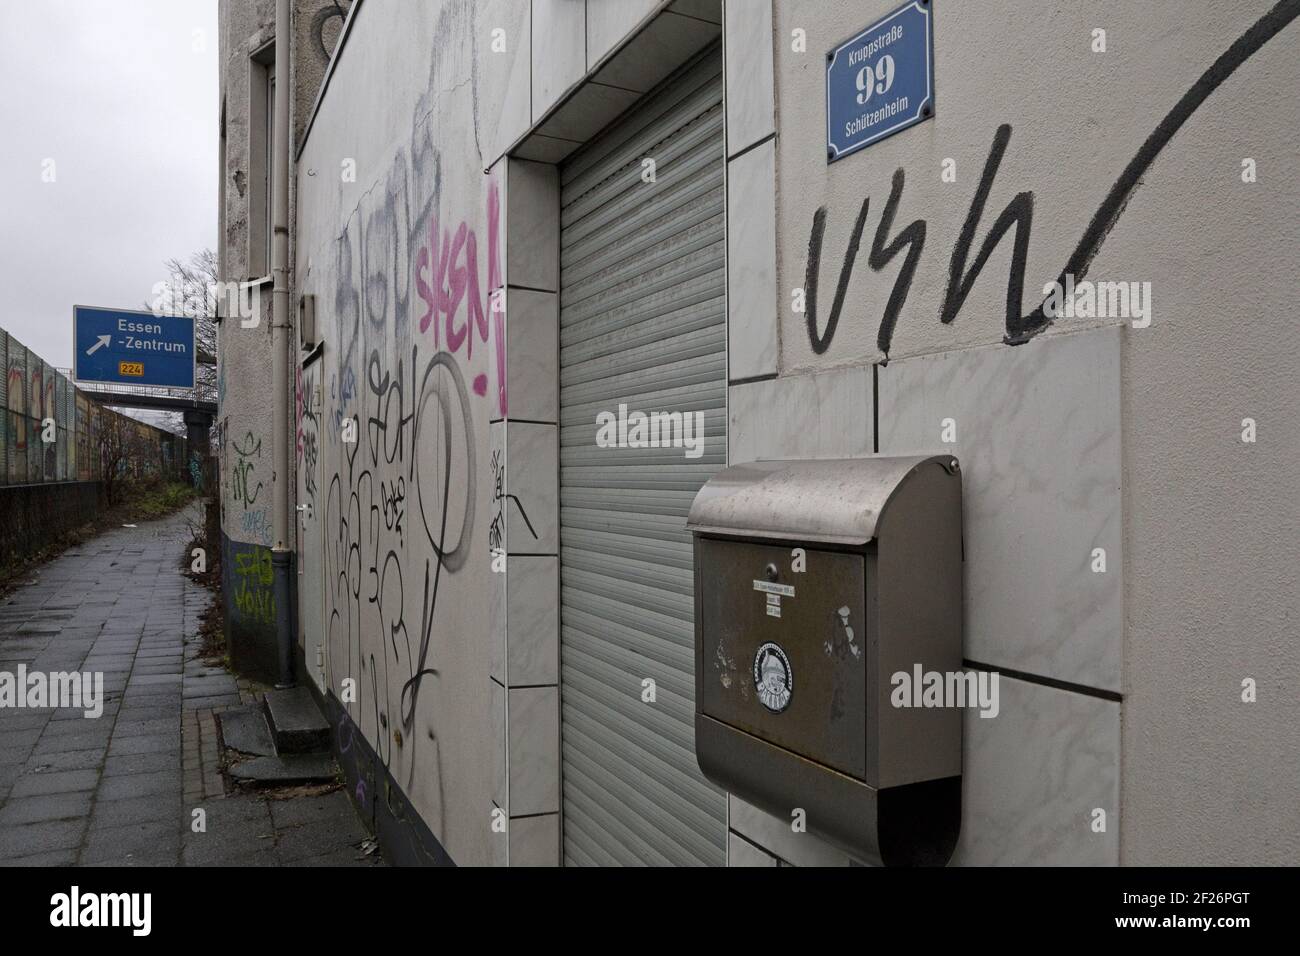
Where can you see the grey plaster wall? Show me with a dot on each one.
(1095, 434)
(244, 383)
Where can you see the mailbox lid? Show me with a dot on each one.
(824, 501)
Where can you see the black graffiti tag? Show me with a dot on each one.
(1017, 215)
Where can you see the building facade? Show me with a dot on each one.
(244, 386)
(518, 225)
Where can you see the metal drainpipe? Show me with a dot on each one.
(281, 332)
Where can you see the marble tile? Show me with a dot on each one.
(535, 841)
(1033, 777)
(667, 42)
(532, 647)
(532, 225)
(533, 354)
(740, 852)
(496, 584)
(750, 90)
(498, 844)
(534, 761)
(610, 21)
(497, 621)
(823, 415)
(500, 793)
(559, 35)
(710, 10)
(589, 110)
(532, 483)
(1037, 430)
(751, 264)
(545, 149)
(775, 836)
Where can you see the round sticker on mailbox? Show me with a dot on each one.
(773, 679)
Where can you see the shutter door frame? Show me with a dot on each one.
(642, 322)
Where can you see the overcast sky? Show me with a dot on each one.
(122, 97)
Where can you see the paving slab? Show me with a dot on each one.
(59, 806)
(285, 769)
(246, 730)
(54, 781)
(121, 789)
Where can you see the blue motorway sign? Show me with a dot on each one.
(133, 348)
(880, 81)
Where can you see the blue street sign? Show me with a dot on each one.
(133, 348)
(880, 81)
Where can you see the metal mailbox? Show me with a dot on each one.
(815, 583)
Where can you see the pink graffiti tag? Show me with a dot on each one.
(450, 264)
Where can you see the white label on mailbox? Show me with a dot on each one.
(774, 610)
(774, 599)
(783, 589)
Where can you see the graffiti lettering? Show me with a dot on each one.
(1018, 214)
(254, 596)
(240, 479)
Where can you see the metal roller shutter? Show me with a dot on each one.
(642, 323)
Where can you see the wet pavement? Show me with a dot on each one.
(140, 784)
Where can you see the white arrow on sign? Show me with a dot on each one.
(99, 344)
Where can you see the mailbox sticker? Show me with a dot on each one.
(785, 590)
(773, 679)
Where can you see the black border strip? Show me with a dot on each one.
(751, 147)
(1111, 695)
(752, 379)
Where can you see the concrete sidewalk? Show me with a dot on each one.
(123, 788)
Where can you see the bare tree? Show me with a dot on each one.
(191, 289)
(119, 451)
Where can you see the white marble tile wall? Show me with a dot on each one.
(535, 840)
(824, 415)
(751, 264)
(750, 82)
(1037, 430)
(609, 21)
(1036, 776)
(524, 512)
(532, 208)
(752, 295)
